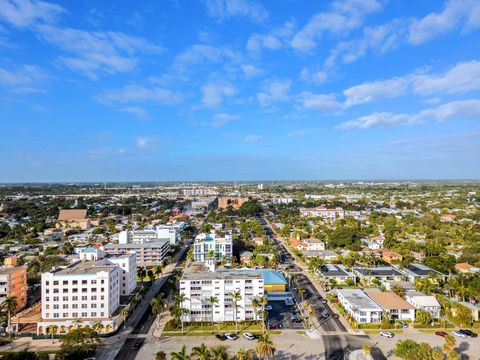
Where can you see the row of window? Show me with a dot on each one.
(74, 290)
(74, 306)
(93, 314)
(74, 282)
(75, 298)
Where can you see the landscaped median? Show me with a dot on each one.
(202, 329)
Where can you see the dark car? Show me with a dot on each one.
(274, 326)
(136, 345)
(469, 333)
(221, 337)
(336, 316)
(441, 333)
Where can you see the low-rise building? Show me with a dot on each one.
(420, 271)
(424, 302)
(335, 273)
(466, 268)
(210, 245)
(148, 253)
(359, 306)
(314, 244)
(234, 202)
(390, 256)
(326, 255)
(377, 275)
(73, 218)
(405, 285)
(393, 305)
(323, 212)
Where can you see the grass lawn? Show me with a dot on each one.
(207, 329)
(378, 331)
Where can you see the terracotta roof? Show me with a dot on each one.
(295, 242)
(463, 266)
(389, 300)
(72, 214)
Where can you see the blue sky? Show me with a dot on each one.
(239, 90)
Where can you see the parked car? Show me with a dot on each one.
(387, 334)
(296, 319)
(136, 345)
(336, 316)
(323, 301)
(248, 336)
(274, 326)
(469, 333)
(221, 337)
(459, 334)
(231, 336)
(268, 307)
(441, 333)
(289, 302)
(404, 324)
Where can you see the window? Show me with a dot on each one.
(56, 315)
(75, 314)
(74, 298)
(65, 306)
(94, 314)
(74, 306)
(55, 298)
(65, 282)
(84, 314)
(65, 314)
(55, 306)
(94, 282)
(94, 297)
(94, 306)
(55, 282)
(84, 298)
(74, 282)
(84, 282)
(55, 291)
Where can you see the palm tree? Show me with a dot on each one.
(367, 349)
(236, 298)
(255, 305)
(98, 326)
(301, 292)
(449, 344)
(77, 322)
(124, 313)
(10, 304)
(141, 273)
(158, 304)
(241, 354)
(219, 353)
(181, 355)
(52, 329)
(180, 299)
(265, 347)
(263, 302)
(160, 355)
(213, 300)
(158, 269)
(201, 352)
(150, 276)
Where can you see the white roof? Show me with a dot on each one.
(425, 300)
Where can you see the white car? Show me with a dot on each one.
(459, 334)
(248, 336)
(289, 302)
(387, 334)
(231, 336)
(268, 307)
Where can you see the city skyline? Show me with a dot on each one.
(239, 90)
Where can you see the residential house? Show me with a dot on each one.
(314, 244)
(359, 306)
(323, 212)
(391, 256)
(424, 302)
(466, 268)
(420, 271)
(73, 218)
(393, 305)
(377, 275)
(335, 273)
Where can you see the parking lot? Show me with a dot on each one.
(281, 315)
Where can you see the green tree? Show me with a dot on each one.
(10, 305)
(160, 355)
(213, 300)
(265, 347)
(52, 329)
(78, 344)
(406, 349)
(423, 317)
(236, 296)
(180, 355)
(449, 344)
(201, 352)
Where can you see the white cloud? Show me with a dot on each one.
(462, 109)
(253, 138)
(25, 13)
(457, 13)
(221, 10)
(222, 119)
(213, 94)
(342, 17)
(139, 112)
(324, 102)
(250, 70)
(273, 40)
(142, 141)
(24, 79)
(313, 76)
(96, 52)
(274, 91)
(368, 92)
(140, 94)
(200, 53)
(463, 77)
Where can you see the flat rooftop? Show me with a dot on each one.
(222, 275)
(335, 270)
(82, 268)
(151, 244)
(377, 271)
(420, 270)
(358, 299)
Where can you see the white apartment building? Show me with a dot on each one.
(170, 232)
(148, 253)
(198, 286)
(323, 212)
(206, 244)
(282, 200)
(314, 244)
(359, 306)
(424, 302)
(88, 289)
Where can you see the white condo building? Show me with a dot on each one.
(169, 232)
(323, 212)
(206, 244)
(198, 286)
(88, 289)
(359, 306)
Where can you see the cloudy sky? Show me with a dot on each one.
(239, 90)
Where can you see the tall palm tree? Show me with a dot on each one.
(52, 329)
(265, 347)
(263, 302)
(180, 299)
(124, 313)
(201, 352)
(301, 292)
(236, 298)
(150, 276)
(241, 354)
(250, 354)
(213, 300)
(219, 353)
(10, 304)
(159, 305)
(98, 326)
(180, 355)
(367, 349)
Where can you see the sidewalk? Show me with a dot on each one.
(27, 343)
